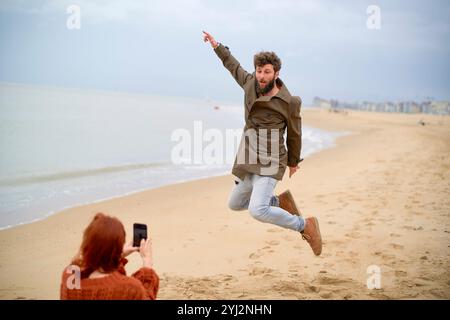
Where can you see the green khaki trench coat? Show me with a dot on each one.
(262, 148)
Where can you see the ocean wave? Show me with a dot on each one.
(78, 173)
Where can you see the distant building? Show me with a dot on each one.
(431, 107)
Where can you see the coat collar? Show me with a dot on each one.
(283, 93)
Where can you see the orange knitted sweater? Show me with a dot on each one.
(142, 285)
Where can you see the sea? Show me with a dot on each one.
(64, 147)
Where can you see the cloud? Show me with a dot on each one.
(317, 39)
(402, 23)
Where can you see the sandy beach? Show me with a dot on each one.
(382, 197)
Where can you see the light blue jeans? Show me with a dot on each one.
(255, 193)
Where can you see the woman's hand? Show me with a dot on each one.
(146, 252)
(128, 249)
(207, 37)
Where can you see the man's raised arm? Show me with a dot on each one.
(239, 74)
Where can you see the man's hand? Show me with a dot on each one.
(207, 37)
(292, 170)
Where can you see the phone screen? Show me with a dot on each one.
(139, 233)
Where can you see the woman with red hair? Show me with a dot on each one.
(98, 273)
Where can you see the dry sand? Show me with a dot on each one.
(382, 197)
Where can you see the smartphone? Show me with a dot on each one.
(139, 233)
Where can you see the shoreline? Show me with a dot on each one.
(381, 196)
(129, 193)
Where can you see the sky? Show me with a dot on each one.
(156, 47)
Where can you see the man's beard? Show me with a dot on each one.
(269, 86)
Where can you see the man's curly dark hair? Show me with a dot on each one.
(267, 57)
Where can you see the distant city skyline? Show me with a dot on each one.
(428, 106)
(156, 47)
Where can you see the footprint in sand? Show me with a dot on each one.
(312, 288)
(255, 271)
(336, 242)
(419, 282)
(388, 257)
(293, 267)
(395, 235)
(329, 280)
(412, 228)
(228, 278)
(379, 295)
(353, 235)
(353, 254)
(274, 230)
(254, 256)
(326, 295)
(294, 271)
(400, 273)
(273, 242)
(260, 252)
(396, 246)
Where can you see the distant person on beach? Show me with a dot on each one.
(269, 111)
(100, 264)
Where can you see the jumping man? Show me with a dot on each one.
(270, 110)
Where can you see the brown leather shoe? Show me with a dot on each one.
(287, 203)
(311, 233)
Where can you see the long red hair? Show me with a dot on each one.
(102, 245)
